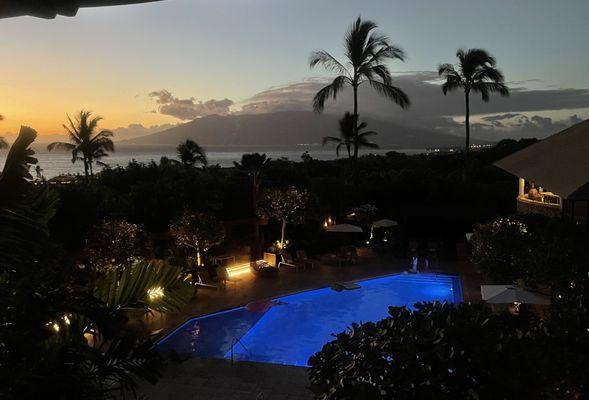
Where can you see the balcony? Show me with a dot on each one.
(547, 203)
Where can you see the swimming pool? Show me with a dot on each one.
(289, 329)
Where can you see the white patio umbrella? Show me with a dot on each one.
(503, 294)
(345, 228)
(384, 223)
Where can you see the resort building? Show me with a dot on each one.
(553, 174)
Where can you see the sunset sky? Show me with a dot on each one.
(110, 59)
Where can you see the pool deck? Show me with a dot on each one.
(217, 379)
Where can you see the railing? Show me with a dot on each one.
(234, 341)
(549, 205)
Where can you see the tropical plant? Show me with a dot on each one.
(191, 153)
(366, 54)
(286, 205)
(347, 137)
(437, 351)
(43, 303)
(476, 72)
(115, 244)
(197, 232)
(145, 285)
(85, 143)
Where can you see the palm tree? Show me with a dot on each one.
(3, 142)
(476, 72)
(85, 144)
(253, 164)
(366, 55)
(191, 153)
(347, 139)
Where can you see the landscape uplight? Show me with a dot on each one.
(155, 293)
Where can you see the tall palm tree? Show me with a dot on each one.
(191, 153)
(476, 72)
(367, 53)
(254, 164)
(85, 143)
(347, 138)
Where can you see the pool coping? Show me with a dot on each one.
(166, 335)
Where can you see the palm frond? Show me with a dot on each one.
(20, 156)
(145, 285)
(486, 88)
(329, 62)
(330, 139)
(328, 91)
(452, 82)
(60, 145)
(391, 92)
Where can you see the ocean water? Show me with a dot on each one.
(57, 163)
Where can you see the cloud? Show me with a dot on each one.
(136, 130)
(513, 125)
(188, 109)
(432, 110)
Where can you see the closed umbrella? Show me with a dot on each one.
(503, 294)
(345, 228)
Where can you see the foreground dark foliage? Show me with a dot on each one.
(435, 352)
(63, 337)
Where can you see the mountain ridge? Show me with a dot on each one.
(289, 128)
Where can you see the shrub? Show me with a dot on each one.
(436, 352)
(115, 244)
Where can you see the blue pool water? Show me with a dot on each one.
(297, 326)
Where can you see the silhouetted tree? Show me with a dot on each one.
(253, 164)
(287, 205)
(347, 138)
(191, 153)
(85, 144)
(366, 55)
(3, 142)
(197, 232)
(476, 72)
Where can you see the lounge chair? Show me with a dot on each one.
(263, 269)
(304, 260)
(288, 261)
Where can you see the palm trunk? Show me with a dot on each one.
(86, 169)
(355, 160)
(283, 233)
(467, 126)
(256, 225)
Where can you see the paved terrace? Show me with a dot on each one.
(217, 379)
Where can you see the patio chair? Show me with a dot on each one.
(333, 258)
(288, 261)
(304, 260)
(349, 253)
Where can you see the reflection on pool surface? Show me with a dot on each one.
(289, 329)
